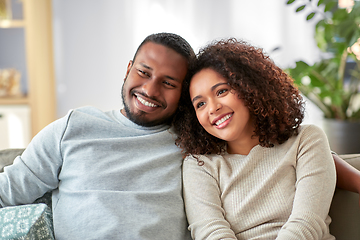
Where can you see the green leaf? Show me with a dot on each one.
(320, 2)
(329, 6)
(336, 99)
(310, 16)
(301, 69)
(300, 8)
(354, 37)
(290, 1)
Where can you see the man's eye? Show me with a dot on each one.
(143, 73)
(169, 83)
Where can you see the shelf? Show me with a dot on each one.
(12, 23)
(13, 100)
(37, 36)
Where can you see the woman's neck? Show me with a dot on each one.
(243, 147)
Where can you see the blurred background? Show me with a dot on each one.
(92, 42)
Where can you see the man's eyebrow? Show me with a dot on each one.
(174, 79)
(166, 76)
(145, 66)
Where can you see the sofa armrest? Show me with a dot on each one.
(32, 221)
(344, 210)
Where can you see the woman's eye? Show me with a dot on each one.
(199, 105)
(222, 91)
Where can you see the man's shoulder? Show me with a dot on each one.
(89, 113)
(90, 110)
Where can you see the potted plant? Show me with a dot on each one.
(333, 83)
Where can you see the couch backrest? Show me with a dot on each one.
(7, 157)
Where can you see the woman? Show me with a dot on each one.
(251, 172)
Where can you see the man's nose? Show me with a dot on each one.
(151, 88)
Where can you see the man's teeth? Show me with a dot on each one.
(146, 103)
(223, 119)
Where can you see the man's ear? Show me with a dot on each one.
(128, 69)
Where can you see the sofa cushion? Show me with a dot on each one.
(31, 221)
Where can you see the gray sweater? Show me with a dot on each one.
(112, 179)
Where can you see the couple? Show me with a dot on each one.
(251, 170)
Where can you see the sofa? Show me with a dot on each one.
(34, 221)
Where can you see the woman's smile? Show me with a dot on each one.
(222, 121)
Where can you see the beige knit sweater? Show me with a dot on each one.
(282, 192)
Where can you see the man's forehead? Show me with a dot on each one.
(155, 56)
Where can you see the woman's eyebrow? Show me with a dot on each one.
(196, 98)
(218, 84)
(212, 89)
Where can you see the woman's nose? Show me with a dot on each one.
(214, 107)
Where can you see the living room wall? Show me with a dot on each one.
(94, 40)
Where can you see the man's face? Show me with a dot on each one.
(152, 86)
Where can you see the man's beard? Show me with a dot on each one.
(140, 118)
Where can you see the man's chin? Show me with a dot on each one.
(142, 119)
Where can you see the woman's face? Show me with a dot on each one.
(218, 108)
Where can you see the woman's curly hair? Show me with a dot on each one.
(275, 104)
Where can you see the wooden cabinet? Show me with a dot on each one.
(40, 87)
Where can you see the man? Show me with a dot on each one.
(113, 175)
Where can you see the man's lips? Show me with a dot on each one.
(145, 101)
(221, 119)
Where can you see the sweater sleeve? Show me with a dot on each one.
(203, 203)
(36, 171)
(315, 185)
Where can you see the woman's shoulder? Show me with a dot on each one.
(309, 126)
(311, 130)
(210, 163)
(206, 157)
(307, 134)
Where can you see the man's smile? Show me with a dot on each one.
(144, 102)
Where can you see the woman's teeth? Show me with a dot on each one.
(223, 119)
(146, 103)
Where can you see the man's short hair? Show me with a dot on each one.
(172, 41)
